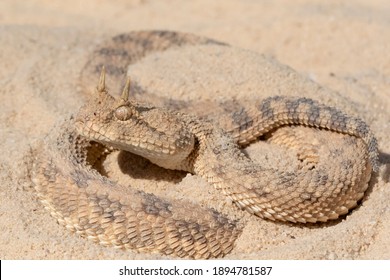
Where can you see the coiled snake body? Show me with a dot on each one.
(68, 182)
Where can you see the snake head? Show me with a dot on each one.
(125, 124)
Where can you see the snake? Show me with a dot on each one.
(69, 180)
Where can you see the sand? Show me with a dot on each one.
(342, 46)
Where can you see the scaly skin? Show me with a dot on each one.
(70, 186)
(93, 206)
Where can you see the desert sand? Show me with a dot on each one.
(338, 49)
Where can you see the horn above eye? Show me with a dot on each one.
(126, 90)
(102, 81)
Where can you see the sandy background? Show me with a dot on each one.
(44, 45)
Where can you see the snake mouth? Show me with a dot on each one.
(90, 131)
(81, 127)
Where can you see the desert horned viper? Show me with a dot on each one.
(69, 184)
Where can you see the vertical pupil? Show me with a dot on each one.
(122, 113)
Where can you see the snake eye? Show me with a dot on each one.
(123, 113)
